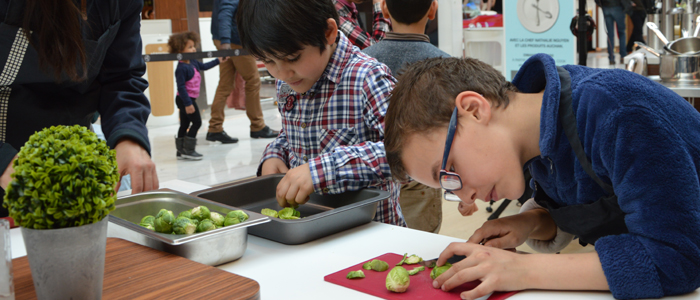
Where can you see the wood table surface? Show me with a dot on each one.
(133, 271)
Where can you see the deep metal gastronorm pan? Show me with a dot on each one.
(212, 248)
(323, 215)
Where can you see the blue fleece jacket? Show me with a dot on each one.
(223, 22)
(644, 140)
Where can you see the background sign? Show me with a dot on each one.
(537, 26)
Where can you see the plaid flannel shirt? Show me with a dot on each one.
(338, 128)
(350, 25)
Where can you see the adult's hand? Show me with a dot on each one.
(134, 160)
(273, 166)
(5, 178)
(295, 187)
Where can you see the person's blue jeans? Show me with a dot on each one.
(615, 14)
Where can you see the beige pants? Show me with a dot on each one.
(421, 206)
(246, 66)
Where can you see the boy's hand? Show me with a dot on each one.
(295, 187)
(273, 166)
(189, 109)
(507, 232)
(467, 209)
(498, 270)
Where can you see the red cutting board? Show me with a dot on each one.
(420, 287)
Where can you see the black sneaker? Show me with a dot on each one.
(221, 137)
(264, 133)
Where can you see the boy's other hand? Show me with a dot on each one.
(273, 166)
(507, 232)
(467, 209)
(498, 270)
(189, 109)
(295, 187)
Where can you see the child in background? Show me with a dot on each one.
(332, 99)
(406, 43)
(614, 157)
(188, 79)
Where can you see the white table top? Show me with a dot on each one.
(296, 272)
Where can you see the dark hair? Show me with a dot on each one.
(178, 41)
(56, 25)
(283, 27)
(408, 11)
(424, 98)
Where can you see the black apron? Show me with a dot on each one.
(30, 97)
(587, 221)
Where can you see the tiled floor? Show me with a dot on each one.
(224, 163)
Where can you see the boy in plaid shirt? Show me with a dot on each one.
(332, 99)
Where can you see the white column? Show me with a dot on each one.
(450, 27)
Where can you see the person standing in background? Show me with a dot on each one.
(406, 43)
(225, 34)
(614, 13)
(350, 26)
(639, 13)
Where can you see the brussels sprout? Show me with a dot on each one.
(416, 270)
(205, 225)
(356, 274)
(231, 221)
(241, 215)
(186, 214)
(269, 212)
(200, 213)
(397, 280)
(148, 226)
(184, 225)
(403, 260)
(217, 219)
(289, 213)
(148, 220)
(437, 271)
(195, 222)
(377, 265)
(162, 225)
(413, 259)
(167, 215)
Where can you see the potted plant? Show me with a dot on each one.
(61, 192)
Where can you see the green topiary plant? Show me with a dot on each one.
(64, 177)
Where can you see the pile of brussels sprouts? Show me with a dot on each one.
(198, 219)
(397, 280)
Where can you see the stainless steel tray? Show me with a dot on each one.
(212, 248)
(323, 215)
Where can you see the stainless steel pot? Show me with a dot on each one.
(673, 67)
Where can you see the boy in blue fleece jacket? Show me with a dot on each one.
(615, 161)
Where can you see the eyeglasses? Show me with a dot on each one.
(450, 181)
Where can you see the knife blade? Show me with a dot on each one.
(431, 263)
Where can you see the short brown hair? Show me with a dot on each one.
(178, 41)
(423, 99)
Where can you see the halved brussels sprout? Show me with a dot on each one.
(356, 274)
(437, 271)
(397, 280)
(416, 270)
(289, 213)
(217, 219)
(205, 225)
(200, 213)
(269, 212)
(413, 259)
(376, 264)
(403, 260)
(184, 225)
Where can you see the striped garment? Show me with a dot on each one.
(338, 128)
(350, 26)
